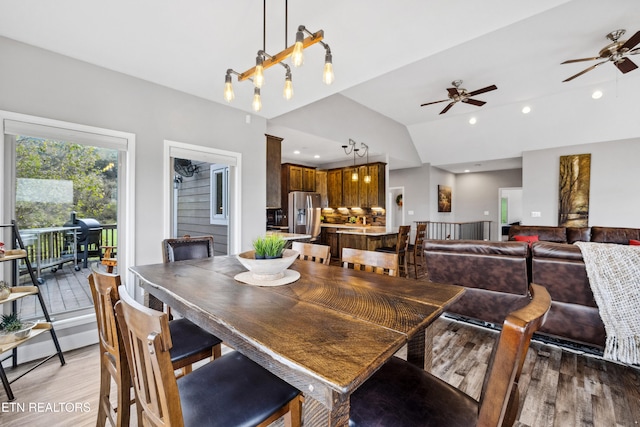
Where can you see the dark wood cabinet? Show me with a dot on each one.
(371, 191)
(308, 179)
(331, 240)
(274, 157)
(350, 188)
(334, 188)
(321, 187)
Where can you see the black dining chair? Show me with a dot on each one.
(229, 391)
(401, 394)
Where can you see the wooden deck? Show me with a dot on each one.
(66, 290)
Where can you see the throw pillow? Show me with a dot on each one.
(528, 239)
(633, 242)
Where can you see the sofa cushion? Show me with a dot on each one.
(620, 236)
(545, 233)
(494, 266)
(578, 234)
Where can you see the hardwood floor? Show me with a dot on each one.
(558, 387)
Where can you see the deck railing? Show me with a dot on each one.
(54, 248)
(474, 230)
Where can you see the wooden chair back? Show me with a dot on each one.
(403, 239)
(376, 262)
(113, 359)
(421, 231)
(499, 400)
(310, 252)
(187, 247)
(147, 341)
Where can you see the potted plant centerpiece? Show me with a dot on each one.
(269, 259)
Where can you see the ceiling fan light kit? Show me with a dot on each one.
(617, 51)
(265, 60)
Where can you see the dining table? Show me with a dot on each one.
(325, 333)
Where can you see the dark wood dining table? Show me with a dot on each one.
(325, 333)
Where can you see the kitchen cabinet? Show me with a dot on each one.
(350, 188)
(371, 194)
(18, 292)
(329, 237)
(321, 187)
(274, 158)
(308, 179)
(334, 188)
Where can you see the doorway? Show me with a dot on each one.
(509, 209)
(395, 207)
(216, 170)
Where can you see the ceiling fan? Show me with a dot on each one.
(616, 52)
(460, 94)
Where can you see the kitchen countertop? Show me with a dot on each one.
(359, 229)
(290, 236)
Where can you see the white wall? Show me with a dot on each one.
(416, 197)
(42, 83)
(615, 194)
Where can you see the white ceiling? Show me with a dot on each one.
(389, 57)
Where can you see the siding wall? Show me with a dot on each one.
(194, 204)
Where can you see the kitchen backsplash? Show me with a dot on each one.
(343, 215)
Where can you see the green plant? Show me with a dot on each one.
(10, 323)
(269, 246)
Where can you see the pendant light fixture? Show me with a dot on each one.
(264, 61)
(351, 148)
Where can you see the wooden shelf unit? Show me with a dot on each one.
(18, 292)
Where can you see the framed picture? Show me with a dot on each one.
(444, 198)
(574, 182)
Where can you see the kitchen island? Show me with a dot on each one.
(291, 237)
(367, 238)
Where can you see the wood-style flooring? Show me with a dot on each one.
(557, 388)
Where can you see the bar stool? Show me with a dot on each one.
(400, 249)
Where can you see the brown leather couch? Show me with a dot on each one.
(494, 273)
(497, 274)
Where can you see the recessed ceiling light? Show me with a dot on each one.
(467, 171)
(296, 152)
(317, 156)
(472, 120)
(597, 94)
(526, 109)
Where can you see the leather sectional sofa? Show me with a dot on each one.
(497, 274)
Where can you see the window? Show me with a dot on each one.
(219, 175)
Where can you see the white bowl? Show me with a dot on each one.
(25, 331)
(267, 269)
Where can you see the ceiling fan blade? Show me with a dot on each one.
(570, 61)
(632, 42)
(474, 102)
(584, 71)
(483, 90)
(453, 91)
(634, 51)
(447, 108)
(434, 102)
(625, 65)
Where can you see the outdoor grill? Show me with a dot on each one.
(88, 237)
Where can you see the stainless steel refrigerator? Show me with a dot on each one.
(304, 213)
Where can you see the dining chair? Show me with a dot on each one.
(376, 262)
(192, 344)
(311, 252)
(401, 394)
(183, 248)
(400, 249)
(187, 247)
(416, 249)
(229, 391)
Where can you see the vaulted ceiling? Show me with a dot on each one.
(389, 57)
